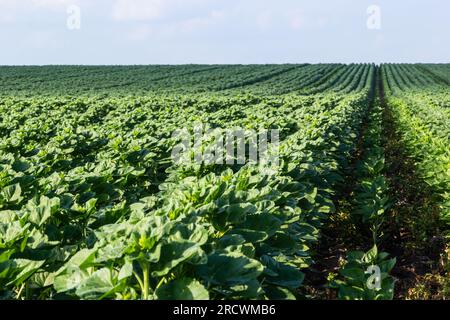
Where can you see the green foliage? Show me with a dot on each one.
(420, 109)
(92, 206)
(357, 280)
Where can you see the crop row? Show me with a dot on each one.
(420, 108)
(92, 206)
(144, 80)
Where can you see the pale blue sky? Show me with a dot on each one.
(223, 31)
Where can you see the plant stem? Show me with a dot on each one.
(20, 291)
(27, 291)
(146, 271)
(141, 284)
(161, 282)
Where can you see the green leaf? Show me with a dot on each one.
(232, 215)
(281, 274)
(278, 293)
(69, 281)
(371, 255)
(97, 285)
(27, 268)
(182, 289)
(230, 269)
(42, 211)
(174, 253)
(11, 194)
(258, 227)
(353, 274)
(126, 270)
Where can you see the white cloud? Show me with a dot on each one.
(203, 22)
(118, 31)
(7, 3)
(53, 3)
(124, 10)
(146, 31)
(29, 4)
(10, 10)
(148, 10)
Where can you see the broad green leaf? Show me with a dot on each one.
(182, 289)
(230, 269)
(96, 285)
